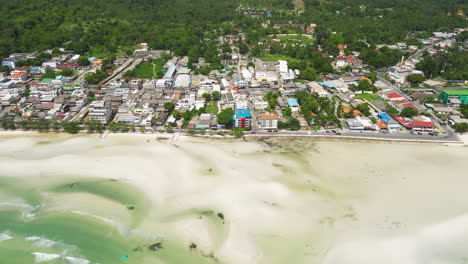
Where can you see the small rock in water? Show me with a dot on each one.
(220, 215)
(155, 246)
(193, 246)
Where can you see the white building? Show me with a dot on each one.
(97, 111)
(268, 122)
(283, 66)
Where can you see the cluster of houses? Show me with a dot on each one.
(241, 85)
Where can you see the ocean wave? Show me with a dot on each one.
(111, 222)
(40, 257)
(5, 236)
(72, 260)
(21, 205)
(41, 242)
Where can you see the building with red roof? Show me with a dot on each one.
(394, 96)
(426, 126)
(403, 121)
(410, 105)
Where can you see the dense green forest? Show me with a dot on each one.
(113, 26)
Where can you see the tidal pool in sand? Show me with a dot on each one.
(81, 199)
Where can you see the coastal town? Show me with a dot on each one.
(155, 91)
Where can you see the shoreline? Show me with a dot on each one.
(463, 139)
(340, 194)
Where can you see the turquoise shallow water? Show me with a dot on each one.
(31, 232)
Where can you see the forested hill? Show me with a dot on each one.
(178, 25)
(40, 24)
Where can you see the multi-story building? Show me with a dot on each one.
(242, 118)
(98, 111)
(268, 121)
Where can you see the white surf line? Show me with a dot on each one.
(6, 235)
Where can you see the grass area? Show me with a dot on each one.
(368, 97)
(144, 70)
(271, 57)
(158, 69)
(295, 38)
(212, 107)
(148, 70)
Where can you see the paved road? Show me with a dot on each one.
(363, 135)
(118, 73)
(449, 130)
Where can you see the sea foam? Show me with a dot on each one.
(5, 236)
(73, 260)
(41, 242)
(40, 257)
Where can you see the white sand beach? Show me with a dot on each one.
(283, 201)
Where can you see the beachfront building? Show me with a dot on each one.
(98, 111)
(268, 122)
(242, 118)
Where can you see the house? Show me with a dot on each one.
(71, 66)
(398, 74)
(242, 118)
(135, 84)
(394, 97)
(390, 123)
(128, 119)
(268, 121)
(9, 62)
(315, 87)
(422, 126)
(18, 76)
(360, 123)
(292, 102)
(403, 121)
(161, 119)
(50, 64)
(204, 122)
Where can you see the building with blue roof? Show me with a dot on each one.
(292, 102)
(329, 84)
(242, 118)
(170, 72)
(10, 63)
(384, 117)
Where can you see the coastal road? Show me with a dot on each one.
(353, 135)
(449, 130)
(363, 135)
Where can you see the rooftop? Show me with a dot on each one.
(293, 102)
(242, 113)
(456, 92)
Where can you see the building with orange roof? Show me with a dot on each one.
(460, 12)
(19, 76)
(268, 122)
(356, 112)
(382, 125)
